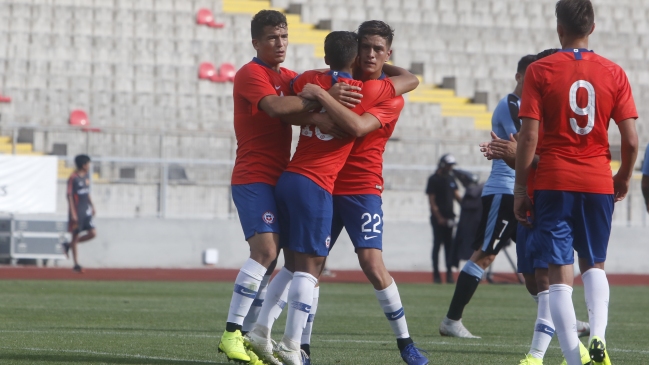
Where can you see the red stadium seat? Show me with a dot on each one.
(206, 71)
(205, 17)
(4, 99)
(79, 118)
(226, 73)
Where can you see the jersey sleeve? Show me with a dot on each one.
(310, 77)
(71, 186)
(624, 105)
(532, 101)
(375, 92)
(387, 111)
(645, 163)
(257, 86)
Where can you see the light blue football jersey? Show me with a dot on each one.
(645, 163)
(501, 179)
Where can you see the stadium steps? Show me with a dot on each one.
(301, 33)
(452, 105)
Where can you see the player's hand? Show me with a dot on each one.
(620, 187)
(327, 126)
(524, 211)
(74, 220)
(503, 149)
(346, 94)
(485, 148)
(442, 221)
(310, 92)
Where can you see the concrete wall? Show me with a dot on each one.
(175, 243)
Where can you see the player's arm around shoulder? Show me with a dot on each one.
(403, 81)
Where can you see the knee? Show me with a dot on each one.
(483, 260)
(92, 234)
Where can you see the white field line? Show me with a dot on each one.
(134, 356)
(191, 335)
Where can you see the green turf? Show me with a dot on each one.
(59, 322)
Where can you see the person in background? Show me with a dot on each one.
(470, 215)
(81, 210)
(442, 190)
(645, 178)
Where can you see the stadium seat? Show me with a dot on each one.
(206, 71)
(4, 99)
(205, 17)
(79, 118)
(226, 73)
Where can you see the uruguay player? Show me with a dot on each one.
(498, 224)
(575, 92)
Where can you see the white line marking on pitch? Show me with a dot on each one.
(136, 356)
(474, 344)
(190, 335)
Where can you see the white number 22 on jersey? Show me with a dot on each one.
(588, 110)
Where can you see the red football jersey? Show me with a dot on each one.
(576, 93)
(363, 171)
(319, 156)
(263, 143)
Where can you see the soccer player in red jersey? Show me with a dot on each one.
(575, 92)
(304, 190)
(357, 192)
(261, 95)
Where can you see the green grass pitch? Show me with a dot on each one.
(82, 322)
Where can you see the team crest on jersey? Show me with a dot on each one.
(328, 241)
(269, 217)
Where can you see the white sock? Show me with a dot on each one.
(543, 328)
(565, 322)
(306, 334)
(300, 298)
(597, 294)
(276, 296)
(390, 302)
(245, 290)
(253, 313)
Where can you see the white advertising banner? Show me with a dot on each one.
(28, 184)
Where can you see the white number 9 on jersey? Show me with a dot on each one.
(588, 110)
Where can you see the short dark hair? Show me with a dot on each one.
(524, 62)
(341, 48)
(81, 160)
(376, 27)
(266, 18)
(577, 16)
(547, 52)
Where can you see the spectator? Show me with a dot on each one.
(442, 190)
(645, 178)
(470, 214)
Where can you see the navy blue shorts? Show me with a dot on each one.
(564, 220)
(84, 223)
(306, 210)
(527, 262)
(362, 217)
(256, 207)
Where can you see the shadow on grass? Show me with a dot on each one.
(94, 359)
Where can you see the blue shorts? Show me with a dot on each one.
(527, 262)
(306, 210)
(256, 207)
(362, 217)
(567, 220)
